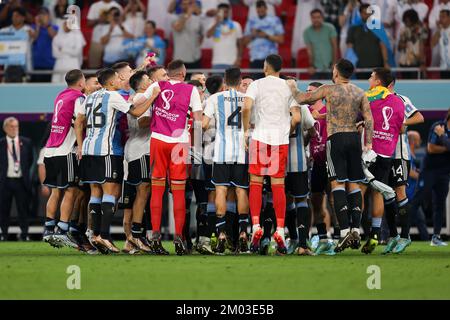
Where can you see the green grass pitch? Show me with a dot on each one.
(36, 271)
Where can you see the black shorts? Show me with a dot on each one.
(101, 169)
(138, 171)
(207, 169)
(319, 178)
(297, 184)
(61, 171)
(398, 176)
(128, 196)
(230, 175)
(381, 169)
(344, 157)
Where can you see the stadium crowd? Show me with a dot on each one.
(310, 34)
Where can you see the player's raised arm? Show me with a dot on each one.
(307, 97)
(368, 121)
(139, 108)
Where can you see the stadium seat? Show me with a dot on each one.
(302, 61)
(206, 58)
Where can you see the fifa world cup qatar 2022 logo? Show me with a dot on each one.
(387, 113)
(166, 96)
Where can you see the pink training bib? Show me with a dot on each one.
(170, 109)
(319, 142)
(62, 116)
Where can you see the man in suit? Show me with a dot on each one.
(16, 159)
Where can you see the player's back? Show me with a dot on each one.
(343, 107)
(102, 134)
(229, 141)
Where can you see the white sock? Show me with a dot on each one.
(344, 232)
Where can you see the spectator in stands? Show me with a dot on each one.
(441, 38)
(113, 37)
(67, 48)
(98, 18)
(16, 160)
(419, 220)
(209, 13)
(263, 33)
(418, 5)
(18, 25)
(347, 19)
(6, 12)
(42, 36)
(411, 44)
(320, 38)
(370, 51)
(58, 11)
(227, 35)
(331, 11)
(176, 7)
(253, 7)
(433, 20)
(435, 175)
(187, 35)
(134, 18)
(151, 42)
(301, 22)
(388, 13)
(157, 11)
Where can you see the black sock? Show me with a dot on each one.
(403, 213)
(235, 228)
(221, 224)
(341, 208)
(95, 209)
(136, 230)
(107, 216)
(211, 222)
(202, 221)
(391, 210)
(244, 221)
(290, 224)
(187, 228)
(82, 227)
(73, 227)
(146, 221)
(375, 233)
(229, 218)
(322, 230)
(50, 224)
(336, 232)
(302, 212)
(354, 201)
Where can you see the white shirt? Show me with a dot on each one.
(208, 21)
(444, 48)
(103, 110)
(272, 103)
(270, 7)
(114, 49)
(157, 10)
(14, 170)
(135, 24)
(69, 142)
(420, 7)
(297, 159)
(402, 148)
(69, 46)
(94, 13)
(138, 143)
(225, 50)
(226, 108)
(195, 104)
(433, 18)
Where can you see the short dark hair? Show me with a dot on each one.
(105, 74)
(153, 69)
(120, 65)
(195, 83)
(90, 75)
(20, 11)
(345, 68)
(275, 61)
(223, 5)
(261, 3)
(175, 65)
(153, 23)
(73, 76)
(384, 75)
(411, 15)
(363, 7)
(446, 11)
(214, 83)
(195, 73)
(233, 76)
(136, 79)
(248, 77)
(316, 11)
(315, 84)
